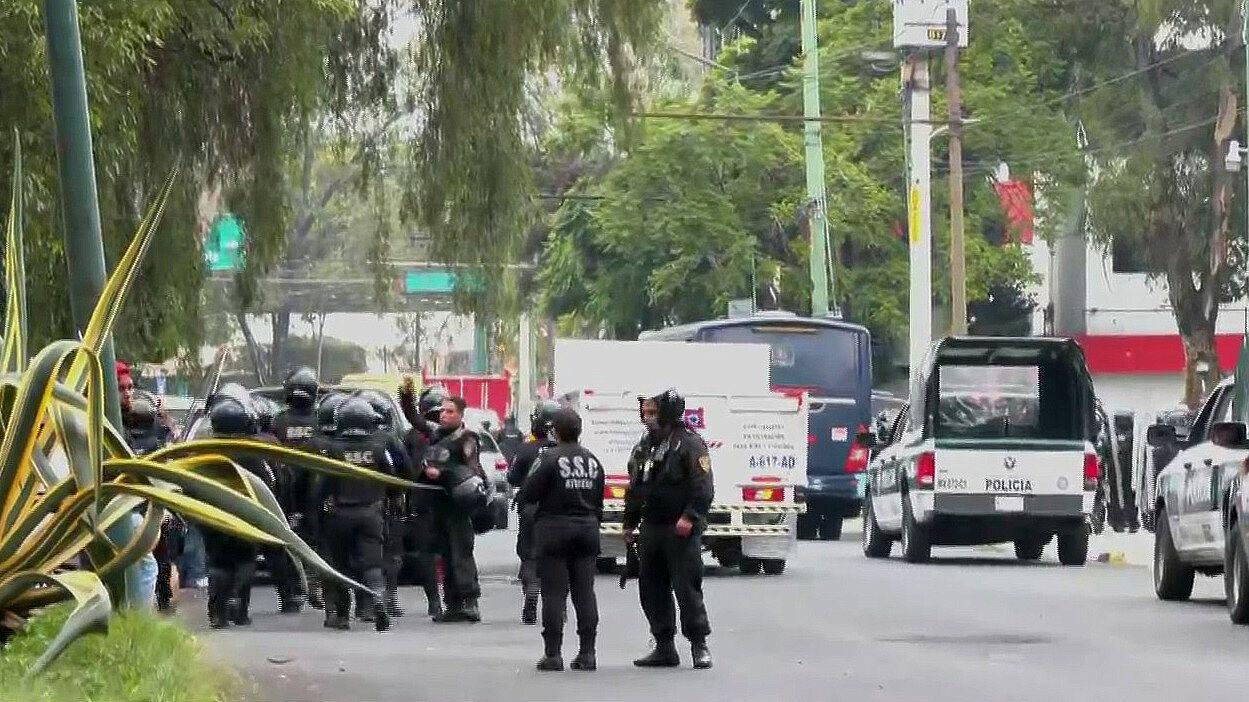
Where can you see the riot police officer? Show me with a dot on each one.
(539, 441)
(670, 492)
(423, 413)
(452, 462)
(232, 561)
(566, 489)
(398, 519)
(296, 427)
(354, 524)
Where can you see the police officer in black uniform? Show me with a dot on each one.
(670, 491)
(296, 427)
(566, 489)
(453, 463)
(355, 523)
(423, 414)
(232, 561)
(540, 440)
(398, 518)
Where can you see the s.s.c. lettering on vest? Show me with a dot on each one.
(579, 472)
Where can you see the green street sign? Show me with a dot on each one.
(223, 248)
(419, 282)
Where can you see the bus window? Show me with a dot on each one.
(820, 359)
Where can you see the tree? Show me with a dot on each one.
(622, 259)
(1156, 144)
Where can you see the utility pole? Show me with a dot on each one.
(817, 215)
(918, 89)
(958, 254)
(84, 243)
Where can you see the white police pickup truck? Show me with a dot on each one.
(995, 447)
(1199, 501)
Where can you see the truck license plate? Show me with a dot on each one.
(1008, 504)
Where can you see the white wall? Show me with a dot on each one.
(1154, 391)
(1131, 303)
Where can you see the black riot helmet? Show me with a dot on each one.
(431, 401)
(325, 412)
(541, 417)
(355, 417)
(301, 387)
(266, 413)
(381, 405)
(229, 416)
(566, 424)
(671, 406)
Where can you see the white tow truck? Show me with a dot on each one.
(757, 439)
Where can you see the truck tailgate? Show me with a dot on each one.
(1009, 477)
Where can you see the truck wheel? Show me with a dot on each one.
(1073, 549)
(875, 543)
(830, 528)
(605, 566)
(1029, 548)
(808, 526)
(1173, 579)
(774, 566)
(1236, 577)
(915, 545)
(749, 566)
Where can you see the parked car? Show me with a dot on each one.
(1194, 508)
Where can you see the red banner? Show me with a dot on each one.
(1016, 197)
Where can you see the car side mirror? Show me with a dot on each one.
(867, 439)
(1158, 435)
(1229, 434)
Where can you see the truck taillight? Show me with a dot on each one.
(763, 494)
(501, 465)
(615, 487)
(1092, 471)
(856, 460)
(811, 439)
(926, 469)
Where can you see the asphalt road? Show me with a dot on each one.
(973, 625)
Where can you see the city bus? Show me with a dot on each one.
(831, 360)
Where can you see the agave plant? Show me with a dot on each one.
(52, 405)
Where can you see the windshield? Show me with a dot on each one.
(1006, 402)
(821, 359)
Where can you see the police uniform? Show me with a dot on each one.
(526, 456)
(355, 524)
(565, 488)
(296, 427)
(452, 525)
(670, 478)
(397, 520)
(232, 561)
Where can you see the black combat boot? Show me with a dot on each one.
(392, 602)
(585, 659)
(243, 594)
(529, 611)
(552, 660)
(337, 621)
(471, 611)
(380, 618)
(336, 608)
(218, 598)
(702, 654)
(451, 611)
(664, 655)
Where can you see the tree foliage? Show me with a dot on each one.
(673, 223)
(1157, 142)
